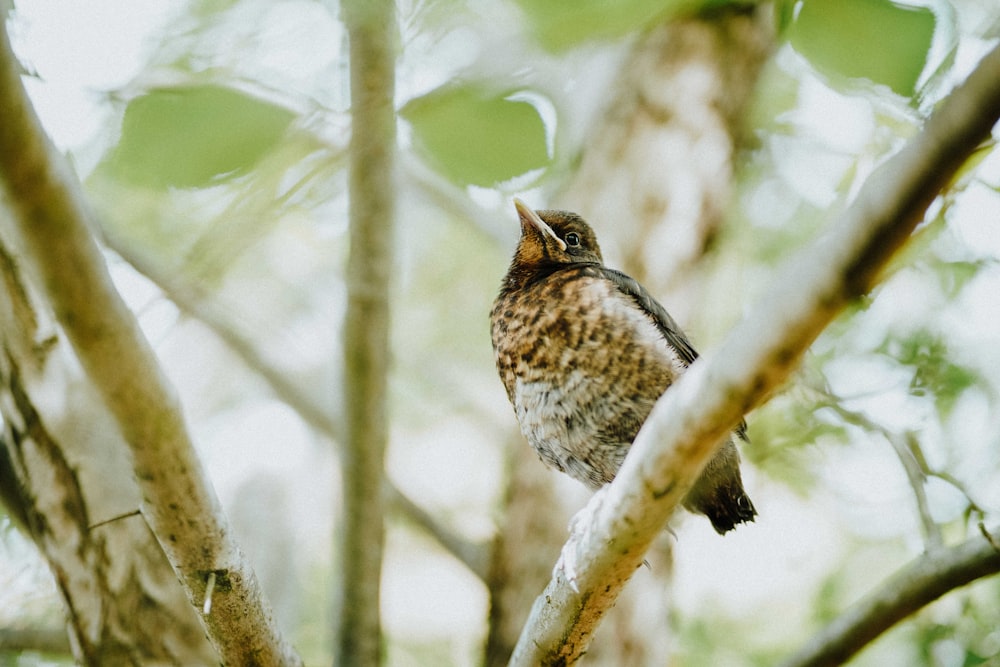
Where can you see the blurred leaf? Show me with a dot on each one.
(934, 373)
(778, 433)
(563, 24)
(877, 40)
(784, 14)
(953, 276)
(194, 136)
(476, 137)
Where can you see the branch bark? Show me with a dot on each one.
(52, 219)
(921, 582)
(691, 420)
(371, 34)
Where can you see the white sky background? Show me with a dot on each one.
(81, 50)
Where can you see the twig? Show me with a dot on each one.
(473, 556)
(905, 448)
(989, 537)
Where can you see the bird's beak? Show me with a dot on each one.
(529, 217)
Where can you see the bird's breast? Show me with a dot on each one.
(582, 365)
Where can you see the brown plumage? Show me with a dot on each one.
(584, 352)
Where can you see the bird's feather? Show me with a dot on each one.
(664, 322)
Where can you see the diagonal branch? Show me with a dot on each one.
(179, 503)
(921, 582)
(691, 420)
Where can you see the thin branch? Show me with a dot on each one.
(371, 31)
(193, 298)
(473, 556)
(690, 421)
(910, 454)
(54, 221)
(921, 582)
(905, 447)
(453, 200)
(989, 538)
(901, 444)
(944, 476)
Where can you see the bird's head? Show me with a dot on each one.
(551, 239)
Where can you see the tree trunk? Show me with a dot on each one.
(656, 179)
(657, 174)
(371, 33)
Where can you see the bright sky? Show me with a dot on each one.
(80, 50)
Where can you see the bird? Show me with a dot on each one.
(584, 351)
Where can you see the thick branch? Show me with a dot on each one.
(371, 33)
(921, 582)
(690, 420)
(178, 501)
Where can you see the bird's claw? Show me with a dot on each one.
(570, 558)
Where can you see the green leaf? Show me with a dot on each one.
(195, 136)
(954, 276)
(877, 40)
(476, 137)
(933, 371)
(563, 24)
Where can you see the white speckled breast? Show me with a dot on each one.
(587, 381)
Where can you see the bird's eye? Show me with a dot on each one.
(572, 239)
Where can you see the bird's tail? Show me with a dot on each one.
(719, 494)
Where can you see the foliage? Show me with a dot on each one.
(193, 136)
(476, 137)
(848, 38)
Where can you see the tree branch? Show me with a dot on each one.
(179, 503)
(921, 582)
(371, 33)
(691, 420)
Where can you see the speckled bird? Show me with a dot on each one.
(584, 352)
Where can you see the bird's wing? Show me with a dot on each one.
(667, 325)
